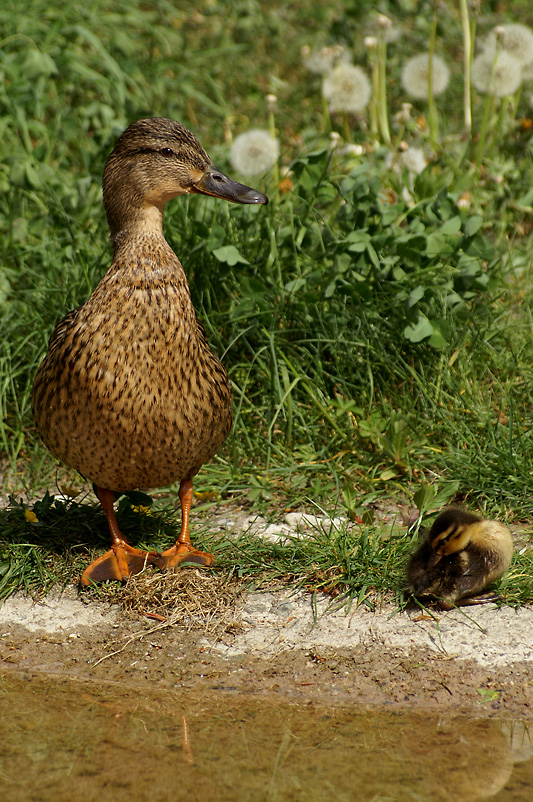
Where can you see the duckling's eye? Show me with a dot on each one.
(167, 152)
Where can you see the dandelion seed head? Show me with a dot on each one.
(527, 72)
(371, 42)
(352, 149)
(464, 200)
(384, 22)
(323, 60)
(415, 76)
(497, 74)
(412, 159)
(515, 39)
(347, 88)
(403, 116)
(392, 35)
(254, 152)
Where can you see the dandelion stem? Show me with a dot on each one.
(273, 133)
(326, 116)
(374, 102)
(488, 112)
(467, 64)
(505, 114)
(346, 130)
(432, 109)
(382, 87)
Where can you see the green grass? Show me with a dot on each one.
(377, 332)
(361, 563)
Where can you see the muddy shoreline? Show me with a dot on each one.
(279, 643)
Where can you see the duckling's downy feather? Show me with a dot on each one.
(461, 555)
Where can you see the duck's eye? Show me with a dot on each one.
(167, 152)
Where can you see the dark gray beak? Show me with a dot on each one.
(214, 182)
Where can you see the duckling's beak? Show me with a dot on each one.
(434, 560)
(214, 182)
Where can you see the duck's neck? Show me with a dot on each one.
(141, 255)
(137, 222)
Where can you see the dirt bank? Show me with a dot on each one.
(479, 662)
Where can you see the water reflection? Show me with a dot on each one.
(63, 740)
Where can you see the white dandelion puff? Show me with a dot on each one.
(386, 29)
(347, 88)
(403, 116)
(254, 152)
(515, 39)
(323, 60)
(352, 150)
(497, 74)
(384, 22)
(415, 79)
(527, 72)
(412, 159)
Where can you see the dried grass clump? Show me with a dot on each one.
(190, 599)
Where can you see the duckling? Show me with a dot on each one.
(130, 393)
(460, 557)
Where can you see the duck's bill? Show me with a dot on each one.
(434, 560)
(215, 183)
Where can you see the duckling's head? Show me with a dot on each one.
(451, 532)
(155, 160)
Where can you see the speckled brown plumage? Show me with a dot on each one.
(129, 392)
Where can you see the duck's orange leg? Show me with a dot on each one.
(122, 560)
(183, 550)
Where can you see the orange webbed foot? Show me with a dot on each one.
(183, 553)
(120, 562)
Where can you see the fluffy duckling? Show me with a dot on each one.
(460, 557)
(129, 393)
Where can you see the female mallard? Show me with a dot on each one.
(129, 393)
(461, 555)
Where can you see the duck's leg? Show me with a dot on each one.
(183, 550)
(481, 598)
(470, 601)
(122, 560)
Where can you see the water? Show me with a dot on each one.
(69, 740)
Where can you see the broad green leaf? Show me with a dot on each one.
(230, 255)
(451, 226)
(419, 331)
(415, 296)
(472, 225)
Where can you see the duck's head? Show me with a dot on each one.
(155, 160)
(451, 532)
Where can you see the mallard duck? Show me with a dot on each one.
(461, 555)
(129, 393)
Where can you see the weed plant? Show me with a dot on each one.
(374, 319)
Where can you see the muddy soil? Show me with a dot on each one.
(279, 643)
